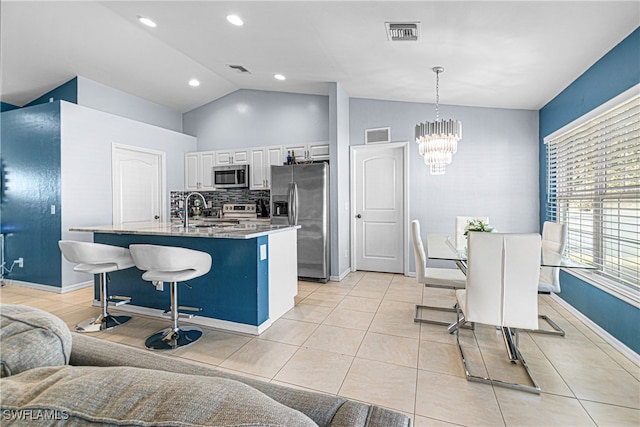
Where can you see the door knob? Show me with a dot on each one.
(358, 216)
(156, 217)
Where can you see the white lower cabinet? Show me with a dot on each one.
(261, 161)
(198, 170)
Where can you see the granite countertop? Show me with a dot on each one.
(200, 229)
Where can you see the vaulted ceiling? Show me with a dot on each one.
(507, 54)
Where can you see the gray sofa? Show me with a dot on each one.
(106, 383)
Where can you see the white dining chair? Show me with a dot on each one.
(461, 223)
(554, 239)
(501, 290)
(432, 277)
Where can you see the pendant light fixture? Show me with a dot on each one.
(438, 140)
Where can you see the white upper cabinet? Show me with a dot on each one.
(318, 151)
(232, 157)
(198, 170)
(261, 161)
(191, 177)
(311, 151)
(298, 151)
(257, 169)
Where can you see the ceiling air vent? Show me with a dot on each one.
(403, 31)
(240, 69)
(377, 136)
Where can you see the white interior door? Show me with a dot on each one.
(138, 177)
(378, 201)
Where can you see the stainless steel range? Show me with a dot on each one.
(240, 211)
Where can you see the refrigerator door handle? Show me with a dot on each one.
(295, 203)
(290, 204)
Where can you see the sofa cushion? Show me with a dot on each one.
(136, 396)
(31, 338)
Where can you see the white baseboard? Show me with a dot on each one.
(341, 276)
(49, 288)
(610, 339)
(196, 320)
(152, 312)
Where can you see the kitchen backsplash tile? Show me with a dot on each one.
(216, 199)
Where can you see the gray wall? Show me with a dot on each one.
(494, 173)
(340, 178)
(251, 118)
(104, 98)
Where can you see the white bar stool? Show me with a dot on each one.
(172, 264)
(96, 258)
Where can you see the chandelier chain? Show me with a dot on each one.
(437, 95)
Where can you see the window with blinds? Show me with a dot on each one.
(594, 187)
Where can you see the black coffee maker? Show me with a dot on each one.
(263, 211)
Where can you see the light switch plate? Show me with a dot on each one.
(263, 252)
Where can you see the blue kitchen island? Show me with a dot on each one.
(252, 282)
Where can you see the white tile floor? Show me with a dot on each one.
(357, 339)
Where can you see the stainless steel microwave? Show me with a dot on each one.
(231, 176)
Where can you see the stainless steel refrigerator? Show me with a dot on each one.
(300, 196)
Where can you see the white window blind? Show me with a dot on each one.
(594, 187)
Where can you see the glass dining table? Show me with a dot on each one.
(442, 247)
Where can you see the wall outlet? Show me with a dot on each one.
(20, 262)
(159, 286)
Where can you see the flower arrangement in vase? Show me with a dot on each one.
(477, 225)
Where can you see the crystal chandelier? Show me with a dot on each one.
(438, 140)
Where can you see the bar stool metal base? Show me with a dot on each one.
(170, 339)
(102, 323)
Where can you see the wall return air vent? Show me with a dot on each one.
(403, 31)
(377, 136)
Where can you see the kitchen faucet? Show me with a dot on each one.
(186, 206)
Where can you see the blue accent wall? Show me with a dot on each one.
(236, 289)
(615, 316)
(610, 76)
(31, 173)
(65, 92)
(7, 107)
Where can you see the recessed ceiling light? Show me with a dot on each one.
(146, 21)
(235, 20)
(194, 82)
(279, 77)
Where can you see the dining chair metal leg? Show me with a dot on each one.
(517, 356)
(511, 347)
(419, 307)
(556, 329)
